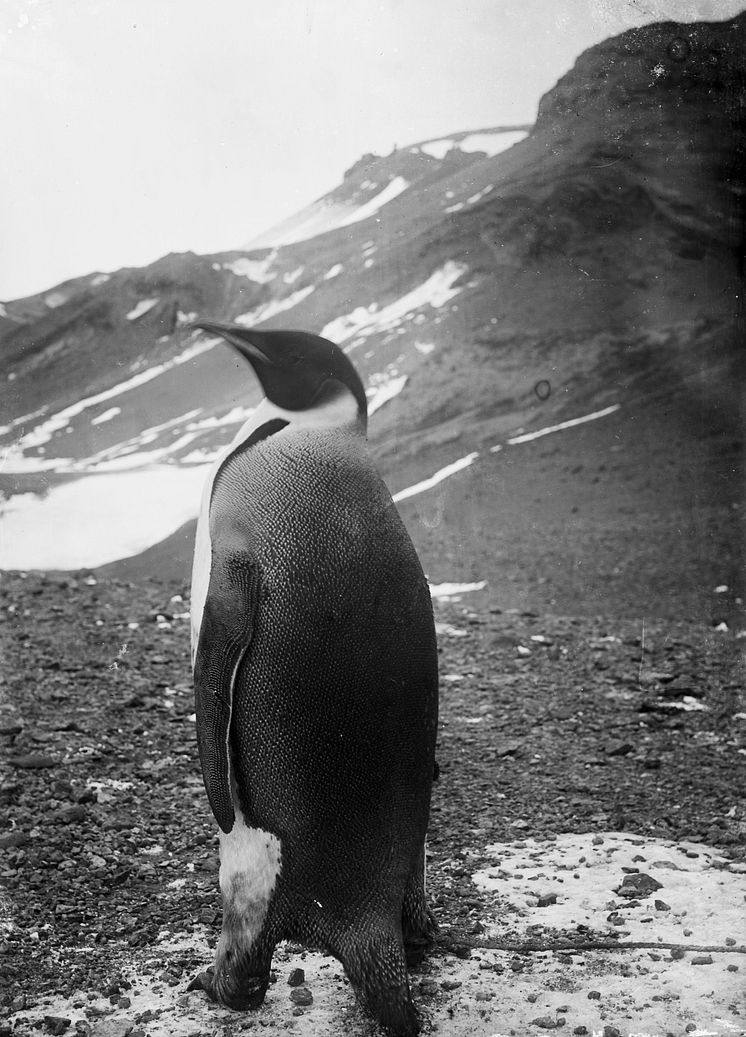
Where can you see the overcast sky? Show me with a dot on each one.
(133, 128)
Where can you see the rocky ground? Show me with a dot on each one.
(550, 724)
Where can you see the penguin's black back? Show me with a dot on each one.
(334, 716)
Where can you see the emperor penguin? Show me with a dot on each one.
(316, 685)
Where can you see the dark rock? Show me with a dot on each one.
(32, 761)
(638, 886)
(619, 749)
(70, 815)
(594, 995)
(13, 840)
(451, 984)
(547, 1022)
(611, 1031)
(702, 959)
(301, 996)
(296, 978)
(55, 1024)
(661, 905)
(545, 899)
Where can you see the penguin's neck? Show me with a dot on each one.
(338, 411)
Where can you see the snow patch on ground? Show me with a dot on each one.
(267, 310)
(583, 873)
(392, 190)
(384, 387)
(142, 308)
(106, 416)
(480, 195)
(333, 271)
(292, 275)
(98, 519)
(99, 279)
(55, 299)
(364, 321)
(453, 591)
(258, 270)
(491, 142)
(528, 436)
(437, 477)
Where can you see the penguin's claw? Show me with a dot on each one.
(203, 981)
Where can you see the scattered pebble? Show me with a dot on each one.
(702, 959)
(301, 996)
(56, 1024)
(296, 978)
(32, 761)
(546, 899)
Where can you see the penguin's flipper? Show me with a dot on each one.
(224, 636)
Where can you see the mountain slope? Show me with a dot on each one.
(596, 263)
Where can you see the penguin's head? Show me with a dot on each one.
(303, 375)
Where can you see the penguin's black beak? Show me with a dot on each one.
(237, 337)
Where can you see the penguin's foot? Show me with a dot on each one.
(201, 982)
(235, 989)
(241, 974)
(394, 1011)
(239, 993)
(378, 973)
